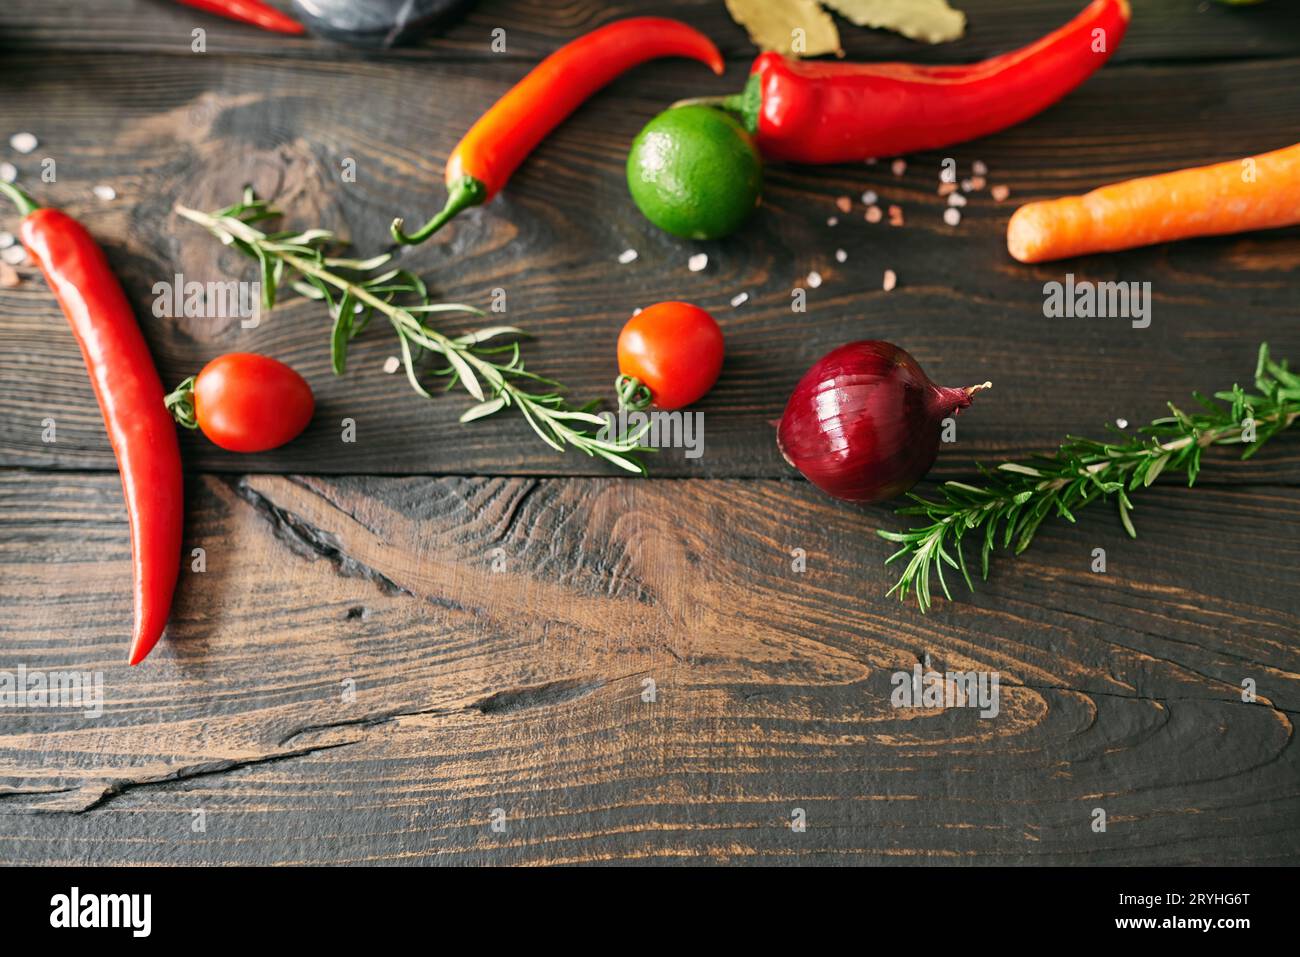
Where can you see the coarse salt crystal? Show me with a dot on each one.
(636, 311)
(841, 256)
(898, 167)
(814, 279)
(874, 215)
(14, 255)
(739, 299)
(23, 142)
(967, 185)
(956, 199)
(1122, 423)
(8, 172)
(392, 364)
(106, 193)
(978, 168)
(1000, 193)
(843, 204)
(952, 216)
(6, 240)
(697, 262)
(833, 221)
(627, 256)
(891, 280)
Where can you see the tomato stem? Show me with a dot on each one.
(633, 394)
(180, 403)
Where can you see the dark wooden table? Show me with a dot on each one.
(499, 609)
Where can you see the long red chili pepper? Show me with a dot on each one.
(250, 11)
(130, 398)
(814, 112)
(504, 136)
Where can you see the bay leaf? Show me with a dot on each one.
(932, 21)
(792, 27)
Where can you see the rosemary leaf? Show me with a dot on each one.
(353, 290)
(1017, 497)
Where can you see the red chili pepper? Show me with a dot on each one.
(250, 11)
(504, 136)
(814, 112)
(130, 398)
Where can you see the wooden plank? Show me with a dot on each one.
(1161, 30)
(521, 688)
(172, 130)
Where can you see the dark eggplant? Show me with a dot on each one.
(378, 23)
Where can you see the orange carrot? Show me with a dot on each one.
(1259, 192)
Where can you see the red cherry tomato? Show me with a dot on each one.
(249, 403)
(674, 349)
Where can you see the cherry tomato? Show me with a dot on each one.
(249, 403)
(674, 349)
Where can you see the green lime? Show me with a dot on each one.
(694, 172)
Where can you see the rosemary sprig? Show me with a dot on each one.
(1016, 497)
(354, 290)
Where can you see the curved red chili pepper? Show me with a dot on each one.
(504, 136)
(250, 11)
(817, 112)
(130, 398)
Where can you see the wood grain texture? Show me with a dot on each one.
(498, 625)
(1161, 30)
(521, 689)
(195, 129)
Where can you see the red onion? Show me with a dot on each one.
(863, 423)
